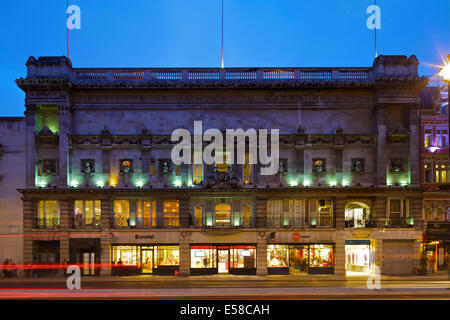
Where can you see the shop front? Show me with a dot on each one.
(359, 257)
(436, 246)
(145, 259)
(298, 259)
(224, 259)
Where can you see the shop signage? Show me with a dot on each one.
(144, 236)
(296, 236)
(438, 231)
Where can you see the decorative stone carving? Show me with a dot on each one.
(396, 166)
(319, 167)
(358, 166)
(165, 167)
(46, 167)
(87, 166)
(45, 131)
(283, 167)
(126, 166)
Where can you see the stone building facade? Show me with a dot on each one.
(102, 191)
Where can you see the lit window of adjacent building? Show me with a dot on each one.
(48, 214)
(428, 138)
(171, 213)
(442, 173)
(146, 213)
(442, 138)
(121, 213)
(248, 169)
(87, 213)
(428, 173)
(398, 212)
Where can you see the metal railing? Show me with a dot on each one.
(48, 223)
(403, 222)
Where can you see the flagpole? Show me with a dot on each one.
(222, 34)
(375, 28)
(68, 39)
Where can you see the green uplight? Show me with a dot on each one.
(74, 183)
(403, 183)
(139, 183)
(293, 183)
(177, 183)
(345, 183)
(306, 182)
(100, 183)
(332, 183)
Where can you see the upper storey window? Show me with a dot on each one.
(47, 118)
(442, 138)
(428, 138)
(48, 214)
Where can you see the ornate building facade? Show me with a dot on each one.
(102, 191)
(435, 175)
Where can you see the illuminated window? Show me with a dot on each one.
(224, 157)
(171, 213)
(223, 214)
(121, 213)
(197, 177)
(442, 138)
(428, 138)
(126, 255)
(87, 213)
(398, 212)
(199, 216)
(320, 256)
(146, 213)
(242, 257)
(48, 214)
(203, 257)
(178, 170)
(442, 173)
(321, 213)
(247, 209)
(274, 213)
(168, 256)
(277, 256)
(152, 167)
(248, 169)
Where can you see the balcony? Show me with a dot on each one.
(359, 225)
(78, 223)
(404, 222)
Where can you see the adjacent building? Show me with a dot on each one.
(102, 191)
(435, 174)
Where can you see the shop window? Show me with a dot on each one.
(121, 213)
(197, 177)
(126, 255)
(357, 215)
(87, 213)
(242, 257)
(48, 214)
(398, 213)
(146, 213)
(203, 257)
(199, 216)
(168, 256)
(223, 214)
(277, 256)
(428, 173)
(428, 138)
(247, 210)
(171, 213)
(321, 256)
(248, 169)
(321, 213)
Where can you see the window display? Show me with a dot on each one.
(243, 257)
(168, 256)
(203, 257)
(321, 255)
(126, 255)
(277, 256)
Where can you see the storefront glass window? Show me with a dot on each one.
(277, 256)
(321, 255)
(126, 255)
(168, 256)
(243, 257)
(203, 257)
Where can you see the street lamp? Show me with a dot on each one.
(445, 74)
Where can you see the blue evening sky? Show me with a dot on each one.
(186, 33)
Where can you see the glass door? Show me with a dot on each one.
(298, 259)
(223, 259)
(147, 260)
(88, 263)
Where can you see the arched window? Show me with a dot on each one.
(223, 214)
(357, 215)
(428, 214)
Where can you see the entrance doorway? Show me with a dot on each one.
(223, 258)
(88, 259)
(147, 260)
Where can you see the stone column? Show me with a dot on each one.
(379, 211)
(105, 258)
(107, 214)
(64, 131)
(30, 114)
(415, 211)
(339, 254)
(381, 145)
(30, 214)
(185, 254)
(379, 255)
(261, 256)
(64, 214)
(261, 215)
(160, 213)
(340, 213)
(414, 146)
(184, 213)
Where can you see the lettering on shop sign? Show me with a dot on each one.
(144, 236)
(296, 236)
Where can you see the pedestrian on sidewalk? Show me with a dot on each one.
(430, 264)
(13, 272)
(4, 267)
(27, 269)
